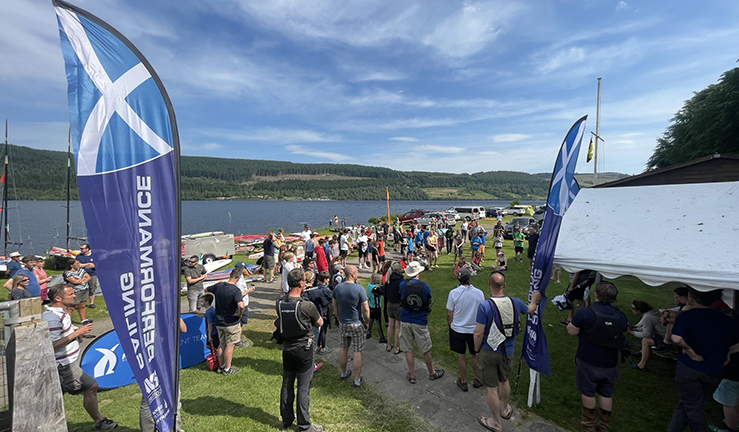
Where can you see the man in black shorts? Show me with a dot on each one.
(600, 330)
(581, 281)
(461, 311)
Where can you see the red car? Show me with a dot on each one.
(411, 216)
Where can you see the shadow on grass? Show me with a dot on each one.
(209, 406)
(260, 316)
(90, 426)
(263, 366)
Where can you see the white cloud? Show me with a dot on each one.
(622, 5)
(272, 135)
(301, 150)
(438, 149)
(404, 139)
(211, 146)
(504, 138)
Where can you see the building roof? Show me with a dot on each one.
(708, 169)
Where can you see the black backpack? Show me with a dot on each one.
(290, 325)
(413, 299)
(606, 332)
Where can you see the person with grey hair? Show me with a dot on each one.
(295, 318)
(461, 308)
(600, 328)
(350, 305)
(229, 305)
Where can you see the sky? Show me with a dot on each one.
(443, 86)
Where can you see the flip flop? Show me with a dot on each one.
(388, 348)
(510, 413)
(398, 351)
(481, 420)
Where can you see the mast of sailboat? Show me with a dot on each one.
(5, 193)
(69, 177)
(597, 137)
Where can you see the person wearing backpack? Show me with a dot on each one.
(496, 326)
(415, 301)
(296, 317)
(600, 328)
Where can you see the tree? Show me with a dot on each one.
(708, 123)
(515, 203)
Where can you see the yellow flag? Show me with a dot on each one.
(590, 151)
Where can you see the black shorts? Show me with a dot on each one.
(576, 294)
(590, 379)
(531, 253)
(382, 258)
(519, 249)
(376, 313)
(460, 342)
(343, 253)
(430, 248)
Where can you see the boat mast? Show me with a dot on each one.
(597, 137)
(5, 193)
(69, 178)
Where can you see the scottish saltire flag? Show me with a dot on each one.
(562, 191)
(127, 158)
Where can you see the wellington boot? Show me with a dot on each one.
(604, 423)
(587, 421)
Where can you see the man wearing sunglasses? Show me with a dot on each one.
(86, 262)
(195, 274)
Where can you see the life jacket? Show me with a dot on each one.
(506, 317)
(607, 331)
(413, 299)
(290, 323)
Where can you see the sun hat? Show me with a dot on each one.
(14, 254)
(414, 268)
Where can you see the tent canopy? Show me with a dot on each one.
(685, 233)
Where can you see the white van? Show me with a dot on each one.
(470, 213)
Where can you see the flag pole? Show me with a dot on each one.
(597, 136)
(387, 198)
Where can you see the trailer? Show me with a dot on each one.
(209, 246)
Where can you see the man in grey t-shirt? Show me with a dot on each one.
(195, 274)
(349, 299)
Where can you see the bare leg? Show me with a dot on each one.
(473, 363)
(505, 395)
(342, 359)
(462, 367)
(357, 364)
(731, 414)
(606, 404)
(411, 363)
(81, 310)
(227, 353)
(90, 402)
(646, 345)
(428, 361)
(589, 402)
(494, 405)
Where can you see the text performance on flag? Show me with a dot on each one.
(127, 159)
(562, 191)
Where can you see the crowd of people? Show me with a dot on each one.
(322, 291)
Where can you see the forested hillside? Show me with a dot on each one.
(41, 174)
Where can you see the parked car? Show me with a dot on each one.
(470, 213)
(517, 210)
(411, 216)
(433, 217)
(451, 213)
(491, 212)
(501, 211)
(523, 223)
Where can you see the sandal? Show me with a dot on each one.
(510, 413)
(398, 351)
(388, 348)
(438, 373)
(410, 379)
(482, 421)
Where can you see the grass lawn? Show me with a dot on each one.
(642, 401)
(250, 400)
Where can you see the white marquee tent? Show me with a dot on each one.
(686, 233)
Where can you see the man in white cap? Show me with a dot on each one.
(13, 265)
(415, 299)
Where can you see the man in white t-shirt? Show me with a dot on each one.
(344, 246)
(66, 350)
(461, 312)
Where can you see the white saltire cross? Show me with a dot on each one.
(113, 99)
(564, 188)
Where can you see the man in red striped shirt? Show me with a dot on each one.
(66, 349)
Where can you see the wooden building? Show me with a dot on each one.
(709, 169)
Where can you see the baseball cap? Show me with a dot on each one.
(240, 264)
